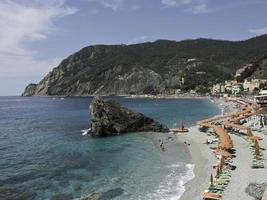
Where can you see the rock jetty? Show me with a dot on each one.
(109, 118)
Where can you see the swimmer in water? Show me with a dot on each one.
(161, 145)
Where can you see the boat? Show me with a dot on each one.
(85, 131)
(179, 130)
(182, 128)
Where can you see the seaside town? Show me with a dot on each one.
(248, 86)
(238, 86)
(133, 100)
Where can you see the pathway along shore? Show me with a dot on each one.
(225, 151)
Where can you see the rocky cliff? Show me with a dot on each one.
(110, 118)
(155, 67)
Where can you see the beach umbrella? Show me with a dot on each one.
(211, 180)
(222, 163)
(257, 144)
(261, 122)
(249, 132)
(257, 149)
(217, 172)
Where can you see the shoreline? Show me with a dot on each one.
(161, 96)
(182, 96)
(201, 155)
(201, 158)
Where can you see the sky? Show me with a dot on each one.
(35, 35)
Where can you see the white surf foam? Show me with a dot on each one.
(173, 186)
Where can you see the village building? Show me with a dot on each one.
(254, 84)
(261, 100)
(236, 88)
(218, 88)
(240, 71)
(229, 85)
(191, 60)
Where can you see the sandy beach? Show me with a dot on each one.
(203, 158)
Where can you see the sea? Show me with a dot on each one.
(43, 154)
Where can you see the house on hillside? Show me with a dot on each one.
(191, 60)
(200, 73)
(241, 70)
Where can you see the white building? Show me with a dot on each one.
(229, 85)
(218, 88)
(241, 70)
(261, 100)
(191, 60)
(263, 92)
(254, 84)
(236, 89)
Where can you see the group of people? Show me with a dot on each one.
(162, 147)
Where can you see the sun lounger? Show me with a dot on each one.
(207, 195)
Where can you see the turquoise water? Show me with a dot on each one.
(44, 156)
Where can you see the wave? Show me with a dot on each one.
(186, 178)
(173, 186)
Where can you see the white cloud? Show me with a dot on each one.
(258, 31)
(174, 3)
(25, 66)
(26, 21)
(113, 4)
(117, 5)
(200, 8)
(193, 6)
(138, 39)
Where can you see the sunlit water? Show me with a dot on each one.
(44, 156)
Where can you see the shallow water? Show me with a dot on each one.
(44, 156)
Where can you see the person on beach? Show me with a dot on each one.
(161, 145)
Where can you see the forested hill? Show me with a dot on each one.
(154, 67)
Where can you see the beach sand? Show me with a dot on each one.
(203, 158)
(244, 174)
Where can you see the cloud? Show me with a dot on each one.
(138, 39)
(193, 6)
(258, 31)
(117, 5)
(22, 22)
(199, 9)
(175, 3)
(25, 66)
(113, 4)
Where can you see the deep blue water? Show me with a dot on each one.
(44, 156)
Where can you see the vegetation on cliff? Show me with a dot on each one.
(153, 67)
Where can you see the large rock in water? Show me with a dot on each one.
(110, 118)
